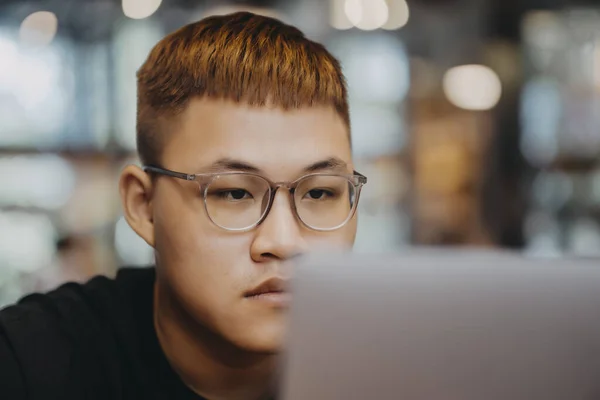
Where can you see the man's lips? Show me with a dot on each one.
(273, 291)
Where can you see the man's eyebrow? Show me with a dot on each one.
(331, 163)
(229, 164)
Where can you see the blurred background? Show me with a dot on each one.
(476, 121)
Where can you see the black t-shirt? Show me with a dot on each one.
(91, 341)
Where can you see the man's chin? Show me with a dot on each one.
(269, 340)
(263, 345)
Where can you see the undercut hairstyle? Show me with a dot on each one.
(241, 57)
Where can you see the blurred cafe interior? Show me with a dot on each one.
(476, 121)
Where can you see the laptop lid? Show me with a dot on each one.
(443, 325)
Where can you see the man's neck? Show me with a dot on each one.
(208, 364)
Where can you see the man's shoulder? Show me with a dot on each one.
(71, 300)
(50, 338)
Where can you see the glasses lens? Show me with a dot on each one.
(324, 202)
(237, 201)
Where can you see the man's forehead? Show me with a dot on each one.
(265, 138)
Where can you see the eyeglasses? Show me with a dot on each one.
(240, 201)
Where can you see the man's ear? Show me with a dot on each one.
(135, 187)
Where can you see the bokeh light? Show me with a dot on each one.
(44, 181)
(367, 15)
(337, 15)
(473, 87)
(27, 241)
(377, 70)
(140, 9)
(541, 106)
(35, 94)
(398, 15)
(38, 28)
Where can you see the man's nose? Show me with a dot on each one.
(279, 236)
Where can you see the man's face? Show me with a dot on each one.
(212, 270)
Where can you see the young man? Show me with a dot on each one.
(243, 130)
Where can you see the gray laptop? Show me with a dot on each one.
(437, 325)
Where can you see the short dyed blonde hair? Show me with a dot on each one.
(241, 57)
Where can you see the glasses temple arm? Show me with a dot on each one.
(162, 171)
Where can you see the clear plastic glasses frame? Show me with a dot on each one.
(356, 181)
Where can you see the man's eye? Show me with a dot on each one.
(318, 194)
(234, 194)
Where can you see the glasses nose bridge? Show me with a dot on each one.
(277, 185)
